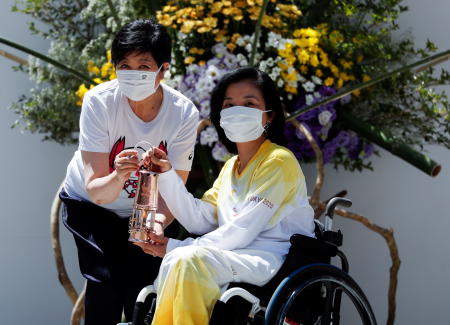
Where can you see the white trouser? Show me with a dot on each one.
(191, 279)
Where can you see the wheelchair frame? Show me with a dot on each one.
(277, 302)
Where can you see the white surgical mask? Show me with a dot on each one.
(136, 84)
(242, 124)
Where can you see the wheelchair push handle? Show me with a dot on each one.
(329, 211)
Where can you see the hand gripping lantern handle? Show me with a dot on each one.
(145, 204)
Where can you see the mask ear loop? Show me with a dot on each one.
(267, 125)
(136, 147)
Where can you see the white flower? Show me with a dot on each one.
(215, 61)
(325, 117)
(220, 153)
(248, 47)
(309, 99)
(244, 40)
(242, 60)
(208, 136)
(317, 94)
(263, 66)
(219, 50)
(193, 68)
(213, 72)
(230, 60)
(316, 80)
(309, 86)
(273, 76)
(280, 83)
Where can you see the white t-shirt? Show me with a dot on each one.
(109, 125)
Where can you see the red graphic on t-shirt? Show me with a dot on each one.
(163, 146)
(130, 185)
(116, 149)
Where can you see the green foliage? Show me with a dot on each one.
(82, 30)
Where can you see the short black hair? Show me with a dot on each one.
(260, 79)
(142, 36)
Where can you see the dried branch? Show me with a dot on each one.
(203, 124)
(78, 308)
(13, 57)
(388, 235)
(315, 197)
(57, 252)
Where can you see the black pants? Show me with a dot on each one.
(116, 269)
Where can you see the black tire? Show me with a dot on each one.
(143, 311)
(319, 287)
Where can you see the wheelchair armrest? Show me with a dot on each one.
(312, 247)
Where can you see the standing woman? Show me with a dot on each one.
(101, 178)
(246, 219)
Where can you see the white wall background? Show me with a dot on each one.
(396, 195)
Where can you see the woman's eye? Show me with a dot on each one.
(144, 67)
(226, 105)
(123, 66)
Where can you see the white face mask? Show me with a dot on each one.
(242, 124)
(137, 85)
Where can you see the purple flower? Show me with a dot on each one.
(328, 152)
(368, 150)
(342, 139)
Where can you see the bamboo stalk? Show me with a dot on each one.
(13, 57)
(375, 135)
(47, 59)
(257, 30)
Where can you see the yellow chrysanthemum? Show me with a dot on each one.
(231, 46)
(290, 89)
(92, 68)
(189, 60)
(303, 56)
(187, 26)
(346, 64)
(314, 60)
(106, 68)
(195, 50)
(328, 82)
(319, 73)
(366, 78)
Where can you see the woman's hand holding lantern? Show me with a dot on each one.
(157, 159)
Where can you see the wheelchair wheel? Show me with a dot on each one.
(312, 295)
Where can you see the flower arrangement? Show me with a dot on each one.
(311, 49)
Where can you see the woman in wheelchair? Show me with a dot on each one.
(246, 219)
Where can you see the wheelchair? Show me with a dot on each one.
(307, 290)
